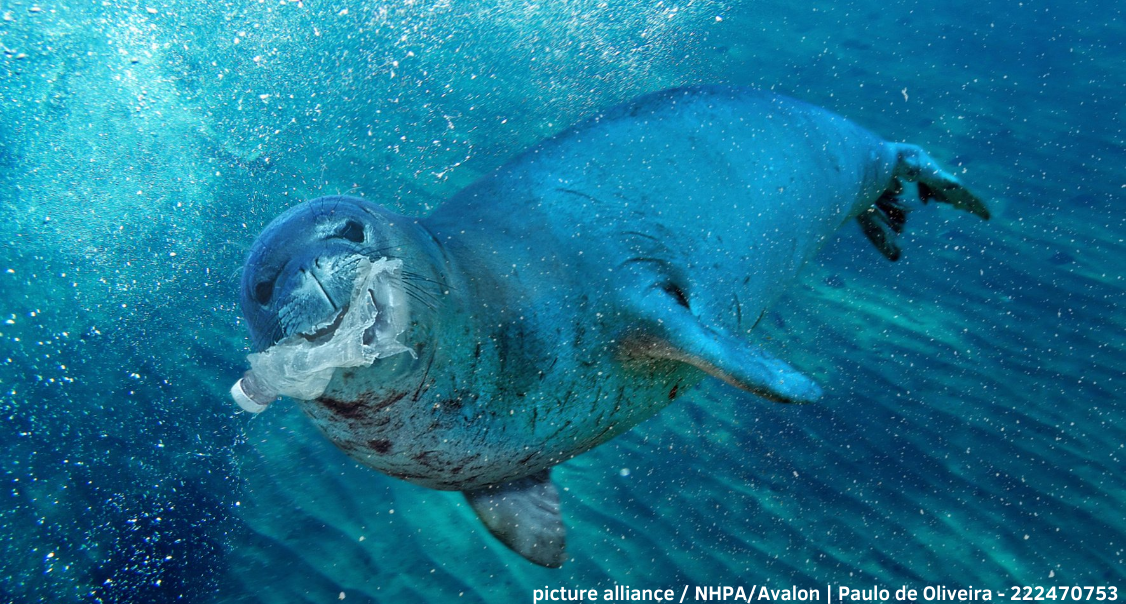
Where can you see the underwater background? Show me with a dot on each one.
(973, 429)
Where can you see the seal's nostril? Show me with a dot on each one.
(264, 291)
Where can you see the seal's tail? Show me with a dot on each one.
(884, 221)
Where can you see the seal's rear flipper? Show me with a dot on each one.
(883, 222)
(524, 515)
(885, 219)
(679, 335)
(915, 165)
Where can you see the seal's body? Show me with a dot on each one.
(578, 290)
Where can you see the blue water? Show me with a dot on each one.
(973, 428)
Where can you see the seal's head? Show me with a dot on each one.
(301, 271)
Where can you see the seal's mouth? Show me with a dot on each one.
(376, 294)
(363, 330)
(325, 330)
(323, 292)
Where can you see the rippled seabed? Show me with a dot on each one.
(972, 433)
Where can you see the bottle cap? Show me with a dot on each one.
(245, 402)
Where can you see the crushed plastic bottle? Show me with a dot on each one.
(301, 369)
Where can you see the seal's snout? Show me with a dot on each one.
(310, 283)
(315, 293)
(301, 365)
(300, 272)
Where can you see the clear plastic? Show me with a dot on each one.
(299, 368)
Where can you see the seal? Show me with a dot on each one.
(577, 291)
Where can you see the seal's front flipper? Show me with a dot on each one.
(677, 334)
(915, 165)
(524, 515)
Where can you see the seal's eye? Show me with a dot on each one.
(264, 291)
(352, 231)
(677, 294)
